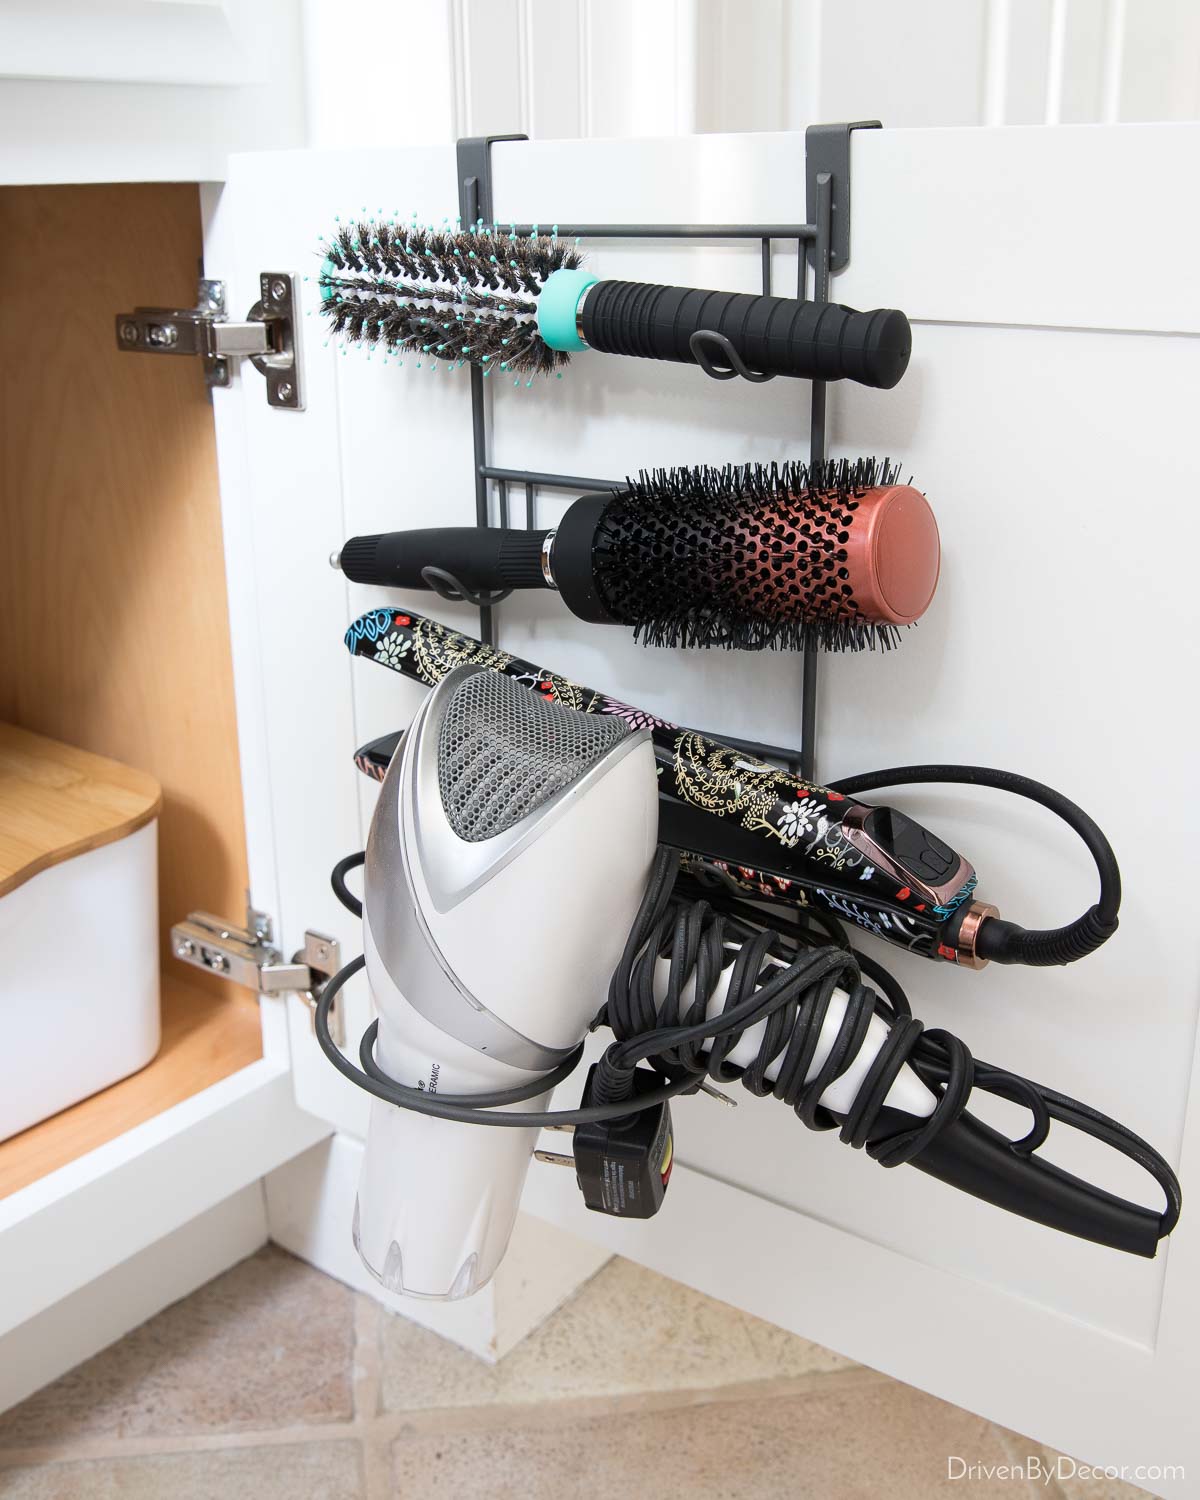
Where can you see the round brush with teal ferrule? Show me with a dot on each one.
(520, 305)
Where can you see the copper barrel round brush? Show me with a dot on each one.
(839, 555)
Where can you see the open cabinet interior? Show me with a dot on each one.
(114, 631)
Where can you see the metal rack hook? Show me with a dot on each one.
(446, 586)
(709, 336)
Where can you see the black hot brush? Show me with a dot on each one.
(838, 555)
(521, 304)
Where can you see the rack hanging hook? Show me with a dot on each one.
(699, 345)
(446, 586)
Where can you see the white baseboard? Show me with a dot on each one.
(310, 1204)
(57, 1339)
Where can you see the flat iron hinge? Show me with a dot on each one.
(267, 338)
(247, 956)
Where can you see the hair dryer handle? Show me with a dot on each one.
(773, 335)
(493, 557)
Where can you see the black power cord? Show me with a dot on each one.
(470, 1109)
(782, 977)
(1007, 942)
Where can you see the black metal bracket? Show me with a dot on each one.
(475, 177)
(823, 242)
(447, 586)
(705, 339)
(827, 151)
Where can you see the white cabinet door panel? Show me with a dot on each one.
(1048, 413)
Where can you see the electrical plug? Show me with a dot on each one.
(623, 1165)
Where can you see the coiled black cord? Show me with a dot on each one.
(776, 976)
(779, 974)
(1007, 942)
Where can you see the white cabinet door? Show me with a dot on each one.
(1049, 414)
(145, 90)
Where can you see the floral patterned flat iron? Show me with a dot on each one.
(742, 819)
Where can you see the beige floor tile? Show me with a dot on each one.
(850, 1444)
(627, 1330)
(1095, 1487)
(301, 1471)
(268, 1344)
(1071, 1480)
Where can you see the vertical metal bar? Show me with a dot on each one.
(487, 632)
(474, 159)
(530, 507)
(816, 454)
(766, 265)
(502, 490)
(469, 213)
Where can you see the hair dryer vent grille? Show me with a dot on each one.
(503, 751)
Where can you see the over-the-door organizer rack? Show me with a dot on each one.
(824, 243)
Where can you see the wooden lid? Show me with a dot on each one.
(56, 801)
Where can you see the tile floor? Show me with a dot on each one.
(274, 1381)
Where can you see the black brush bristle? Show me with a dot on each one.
(747, 556)
(461, 298)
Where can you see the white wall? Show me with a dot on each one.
(566, 68)
(142, 91)
(133, 90)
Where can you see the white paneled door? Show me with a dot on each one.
(1049, 414)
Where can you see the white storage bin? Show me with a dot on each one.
(79, 977)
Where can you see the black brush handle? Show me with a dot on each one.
(773, 335)
(494, 557)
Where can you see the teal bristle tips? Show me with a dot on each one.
(398, 282)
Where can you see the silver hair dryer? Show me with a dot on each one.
(489, 945)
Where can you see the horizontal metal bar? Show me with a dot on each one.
(551, 481)
(782, 753)
(673, 231)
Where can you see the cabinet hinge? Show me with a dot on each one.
(267, 338)
(247, 956)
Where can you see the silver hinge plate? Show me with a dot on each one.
(267, 337)
(247, 956)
